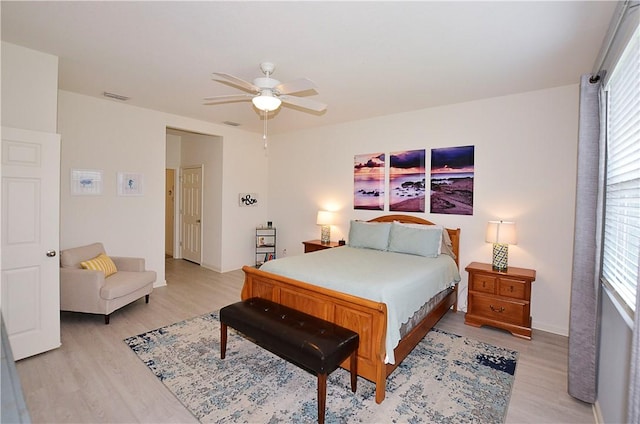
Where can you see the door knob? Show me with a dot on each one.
(51, 253)
(197, 221)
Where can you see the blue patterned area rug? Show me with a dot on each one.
(446, 379)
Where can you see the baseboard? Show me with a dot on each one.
(157, 284)
(597, 413)
(210, 267)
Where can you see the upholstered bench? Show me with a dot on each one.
(304, 340)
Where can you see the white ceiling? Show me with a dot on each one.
(367, 58)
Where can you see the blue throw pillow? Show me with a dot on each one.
(423, 240)
(369, 235)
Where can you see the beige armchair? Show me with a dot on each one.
(88, 291)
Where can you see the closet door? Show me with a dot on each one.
(30, 278)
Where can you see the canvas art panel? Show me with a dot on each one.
(368, 181)
(452, 173)
(407, 181)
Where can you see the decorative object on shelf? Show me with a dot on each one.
(130, 184)
(501, 234)
(341, 242)
(247, 199)
(325, 219)
(86, 182)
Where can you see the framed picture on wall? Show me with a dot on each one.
(130, 184)
(86, 182)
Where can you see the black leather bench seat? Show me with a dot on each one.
(302, 339)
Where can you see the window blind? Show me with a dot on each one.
(621, 247)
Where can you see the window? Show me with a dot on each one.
(621, 247)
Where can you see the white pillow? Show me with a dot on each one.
(421, 240)
(369, 235)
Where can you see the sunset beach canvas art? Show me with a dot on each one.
(452, 171)
(368, 181)
(407, 184)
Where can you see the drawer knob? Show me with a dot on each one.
(494, 309)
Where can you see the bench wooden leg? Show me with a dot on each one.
(146, 298)
(223, 340)
(354, 370)
(322, 396)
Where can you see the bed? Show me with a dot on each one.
(370, 318)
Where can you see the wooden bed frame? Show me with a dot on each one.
(366, 317)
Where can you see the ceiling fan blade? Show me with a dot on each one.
(226, 98)
(296, 86)
(304, 103)
(238, 82)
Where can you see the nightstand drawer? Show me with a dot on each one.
(513, 288)
(483, 283)
(308, 248)
(499, 309)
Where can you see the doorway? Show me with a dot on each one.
(169, 212)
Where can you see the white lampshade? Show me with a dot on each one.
(501, 232)
(266, 102)
(324, 218)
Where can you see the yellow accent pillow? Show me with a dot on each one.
(100, 263)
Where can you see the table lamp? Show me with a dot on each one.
(325, 219)
(501, 234)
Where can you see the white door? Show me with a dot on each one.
(169, 210)
(191, 214)
(30, 279)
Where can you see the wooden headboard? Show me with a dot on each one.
(454, 234)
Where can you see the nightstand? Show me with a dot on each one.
(313, 245)
(500, 299)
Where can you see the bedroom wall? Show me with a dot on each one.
(111, 136)
(525, 170)
(29, 89)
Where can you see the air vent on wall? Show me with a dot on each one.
(231, 123)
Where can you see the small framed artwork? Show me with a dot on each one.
(247, 199)
(86, 182)
(130, 184)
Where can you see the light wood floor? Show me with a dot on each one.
(95, 377)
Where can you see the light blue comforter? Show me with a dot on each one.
(403, 282)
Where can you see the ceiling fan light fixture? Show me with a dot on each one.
(266, 102)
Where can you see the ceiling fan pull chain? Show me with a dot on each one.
(264, 134)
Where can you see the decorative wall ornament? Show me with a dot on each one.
(407, 181)
(86, 182)
(368, 181)
(130, 184)
(247, 199)
(452, 172)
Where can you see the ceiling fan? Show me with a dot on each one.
(267, 94)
